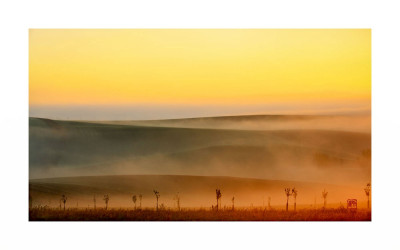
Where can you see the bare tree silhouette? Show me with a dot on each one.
(157, 194)
(368, 192)
(294, 193)
(94, 201)
(233, 203)
(177, 198)
(140, 201)
(134, 200)
(64, 199)
(288, 193)
(106, 198)
(324, 195)
(218, 195)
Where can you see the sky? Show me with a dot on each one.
(105, 74)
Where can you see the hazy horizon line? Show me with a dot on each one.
(144, 113)
(202, 117)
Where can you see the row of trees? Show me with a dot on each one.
(288, 192)
(106, 199)
(293, 192)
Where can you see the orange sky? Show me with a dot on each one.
(195, 67)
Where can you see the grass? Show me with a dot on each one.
(51, 214)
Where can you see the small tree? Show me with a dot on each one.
(294, 193)
(177, 198)
(94, 201)
(368, 192)
(218, 195)
(288, 193)
(140, 201)
(324, 195)
(233, 203)
(157, 194)
(64, 199)
(134, 200)
(106, 198)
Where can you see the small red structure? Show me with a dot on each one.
(352, 204)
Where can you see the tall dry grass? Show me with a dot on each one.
(255, 214)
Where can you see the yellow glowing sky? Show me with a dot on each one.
(118, 67)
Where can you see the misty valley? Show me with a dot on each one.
(251, 159)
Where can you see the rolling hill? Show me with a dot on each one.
(71, 148)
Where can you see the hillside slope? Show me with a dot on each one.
(67, 148)
(354, 123)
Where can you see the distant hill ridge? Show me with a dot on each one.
(65, 148)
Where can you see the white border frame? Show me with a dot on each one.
(18, 16)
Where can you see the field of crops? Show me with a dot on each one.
(50, 214)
